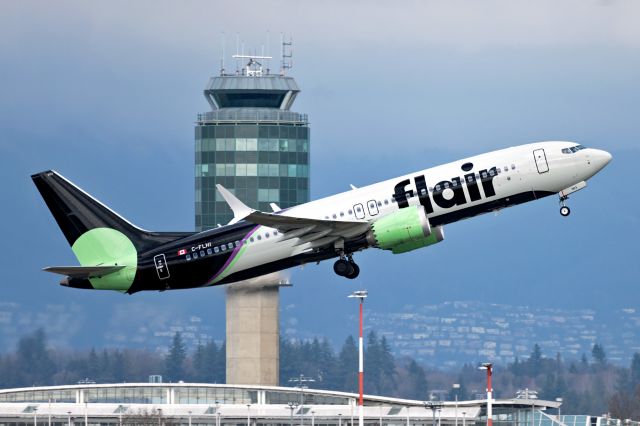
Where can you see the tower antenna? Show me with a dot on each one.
(222, 58)
(267, 54)
(237, 53)
(286, 55)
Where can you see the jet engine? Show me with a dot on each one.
(405, 230)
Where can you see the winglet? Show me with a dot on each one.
(274, 207)
(240, 209)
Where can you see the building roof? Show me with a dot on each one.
(268, 82)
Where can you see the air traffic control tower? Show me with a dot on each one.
(255, 146)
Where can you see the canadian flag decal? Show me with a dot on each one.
(182, 252)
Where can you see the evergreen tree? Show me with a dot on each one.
(174, 361)
(220, 369)
(418, 378)
(93, 366)
(327, 372)
(373, 364)
(387, 368)
(535, 361)
(598, 354)
(288, 361)
(573, 369)
(105, 374)
(348, 365)
(199, 364)
(118, 367)
(33, 360)
(584, 363)
(634, 371)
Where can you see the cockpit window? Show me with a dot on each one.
(573, 149)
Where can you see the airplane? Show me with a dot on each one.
(400, 215)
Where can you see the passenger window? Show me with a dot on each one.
(334, 216)
(223, 247)
(341, 214)
(358, 209)
(201, 253)
(275, 233)
(195, 254)
(209, 252)
(259, 237)
(188, 257)
(216, 249)
(386, 202)
(379, 203)
(251, 239)
(513, 167)
(350, 211)
(230, 245)
(437, 187)
(506, 169)
(446, 185)
(266, 235)
(238, 243)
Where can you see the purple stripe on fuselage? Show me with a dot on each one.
(234, 253)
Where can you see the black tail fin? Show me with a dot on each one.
(78, 212)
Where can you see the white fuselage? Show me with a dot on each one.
(448, 192)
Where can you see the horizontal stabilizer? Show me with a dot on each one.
(84, 271)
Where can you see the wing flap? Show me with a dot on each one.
(84, 271)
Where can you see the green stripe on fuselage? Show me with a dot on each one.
(106, 247)
(227, 270)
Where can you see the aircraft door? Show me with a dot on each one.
(541, 161)
(161, 266)
(358, 210)
(373, 207)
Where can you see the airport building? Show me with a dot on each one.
(236, 405)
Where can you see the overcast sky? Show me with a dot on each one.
(107, 94)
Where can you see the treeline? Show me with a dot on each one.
(589, 385)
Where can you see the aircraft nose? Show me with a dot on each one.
(600, 158)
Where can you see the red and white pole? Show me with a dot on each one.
(361, 294)
(489, 396)
(361, 369)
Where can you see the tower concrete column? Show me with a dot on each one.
(253, 336)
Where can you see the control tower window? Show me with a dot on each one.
(250, 100)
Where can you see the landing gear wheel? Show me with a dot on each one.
(355, 271)
(565, 211)
(342, 267)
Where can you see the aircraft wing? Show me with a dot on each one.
(83, 271)
(293, 226)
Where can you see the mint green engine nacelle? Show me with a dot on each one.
(405, 230)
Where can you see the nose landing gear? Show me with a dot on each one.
(346, 267)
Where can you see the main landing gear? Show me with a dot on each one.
(346, 267)
(564, 209)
